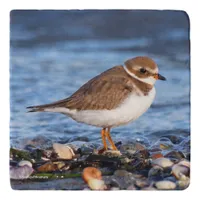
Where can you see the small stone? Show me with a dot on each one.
(79, 138)
(180, 171)
(155, 150)
(39, 141)
(114, 183)
(156, 173)
(63, 151)
(25, 162)
(162, 162)
(165, 146)
(175, 155)
(139, 147)
(112, 153)
(132, 147)
(131, 187)
(174, 139)
(122, 173)
(183, 184)
(141, 183)
(165, 185)
(156, 155)
(96, 184)
(114, 188)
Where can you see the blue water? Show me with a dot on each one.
(54, 52)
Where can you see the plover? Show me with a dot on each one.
(113, 98)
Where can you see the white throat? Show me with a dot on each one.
(150, 80)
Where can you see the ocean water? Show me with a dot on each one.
(53, 53)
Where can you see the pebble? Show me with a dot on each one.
(174, 139)
(114, 183)
(180, 171)
(131, 187)
(162, 162)
(114, 188)
(163, 144)
(63, 151)
(132, 148)
(122, 173)
(165, 185)
(141, 183)
(25, 162)
(112, 153)
(79, 138)
(156, 155)
(175, 155)
(183, 184)
(96, 184)
(156, 173)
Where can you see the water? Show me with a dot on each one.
(54, 52)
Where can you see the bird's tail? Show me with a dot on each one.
(51, 107)
(40, 108)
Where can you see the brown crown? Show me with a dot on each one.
(142, 61)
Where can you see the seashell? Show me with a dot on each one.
(165, 185)
(180, 171)
(25, 162)
(22, 172)
(63, 151)
(91, 173)
(162, 162)
(96, 184)
(184, 163)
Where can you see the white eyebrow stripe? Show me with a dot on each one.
(150, 80)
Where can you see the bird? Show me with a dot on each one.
(113, 98)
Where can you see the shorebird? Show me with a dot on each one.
(113, 98)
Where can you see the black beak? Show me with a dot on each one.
(159, 77)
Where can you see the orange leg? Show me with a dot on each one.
(103, 135)
(107, 133)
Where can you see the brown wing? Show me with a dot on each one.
(105, 91)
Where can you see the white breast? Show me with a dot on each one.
(132, 108)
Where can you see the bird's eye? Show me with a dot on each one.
(142, 70)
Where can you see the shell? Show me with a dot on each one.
(25, 162)
(184, 163)
(21, 172)
(63, 151)
(165, 185)
(180, 171)
(162, 162)
(91, 173)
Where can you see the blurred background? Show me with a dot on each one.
(52, 53)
